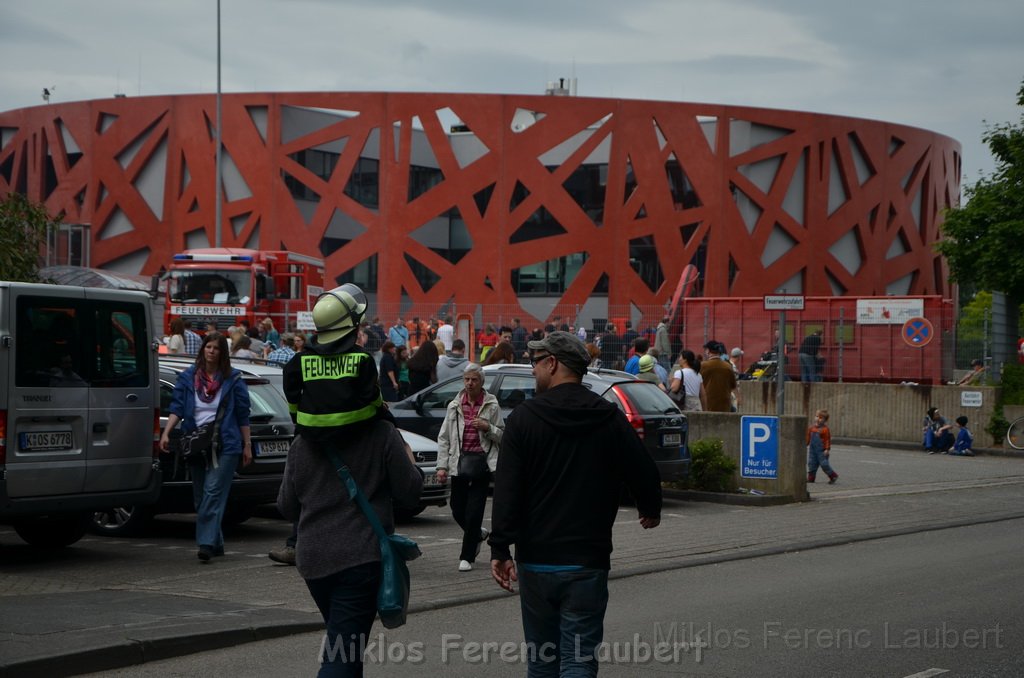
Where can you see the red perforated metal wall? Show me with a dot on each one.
(896, 180)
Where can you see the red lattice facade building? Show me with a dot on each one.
(533, 205)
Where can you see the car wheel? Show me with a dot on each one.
(120, 521)
(52, 532)
(405, 515)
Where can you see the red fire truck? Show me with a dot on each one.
(225, 285)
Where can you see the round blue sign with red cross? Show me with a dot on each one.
(918, 332)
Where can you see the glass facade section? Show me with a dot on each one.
(422, 179)
(364, 184)
(363, 274)
(320, 163)
(679, 184)
(553, 276)
(643, 258)
(586, 186)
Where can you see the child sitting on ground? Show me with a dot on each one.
(819, 446)
(964, 439)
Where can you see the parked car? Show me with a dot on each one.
(435, 493)
(76, 423)
(258, 483)
(653, 415)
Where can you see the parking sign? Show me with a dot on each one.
(759, 440)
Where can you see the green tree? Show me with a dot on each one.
(983, 238)
(971, 325)
(23, 229)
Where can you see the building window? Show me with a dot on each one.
(422, 179)
(364, 184)
(363, 274)
(586, 186)
(551, 277)
(320, 163)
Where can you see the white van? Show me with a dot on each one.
(79, 407)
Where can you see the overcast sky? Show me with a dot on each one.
(942, 65)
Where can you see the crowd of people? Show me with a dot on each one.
(411, 355)
(556, 463)
(261, 342)
(430, 352)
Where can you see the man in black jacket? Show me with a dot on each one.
(564, 456)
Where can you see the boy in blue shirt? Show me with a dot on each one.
(964, 439)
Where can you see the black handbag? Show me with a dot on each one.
(473, 465)
(197, 445)
(202, 445)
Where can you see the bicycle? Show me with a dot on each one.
(1015, 434)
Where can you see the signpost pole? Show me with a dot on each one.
(780, 367)
(781, 303)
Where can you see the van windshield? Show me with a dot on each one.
(210, 286)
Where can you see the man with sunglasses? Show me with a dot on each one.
(565, 455)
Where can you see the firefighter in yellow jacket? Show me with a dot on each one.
(332, 385)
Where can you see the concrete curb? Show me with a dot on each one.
(732, 498)
(90, 652)
(916, 447)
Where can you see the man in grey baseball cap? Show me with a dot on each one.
(566, 349)
(564, 455)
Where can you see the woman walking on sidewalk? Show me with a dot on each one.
(211, 396)
(467, 450)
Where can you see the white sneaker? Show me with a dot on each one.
(465, 566)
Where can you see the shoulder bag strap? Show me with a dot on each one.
(221, 409)
(357, 495)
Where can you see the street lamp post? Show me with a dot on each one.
(217, 181)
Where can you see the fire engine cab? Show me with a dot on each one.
(225, 285)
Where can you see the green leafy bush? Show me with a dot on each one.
(710, 468)
(997, 425)
(1012, 383)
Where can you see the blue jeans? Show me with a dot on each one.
(563, 620)
(210, 488)
(347, 600)
(816, 458)
(808, 368)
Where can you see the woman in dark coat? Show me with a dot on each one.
(423, 367)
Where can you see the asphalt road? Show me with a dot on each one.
(708, 555)
(938, 603)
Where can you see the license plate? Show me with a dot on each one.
(430, 479)
(272, 448)
(45, 440)
(671, 439)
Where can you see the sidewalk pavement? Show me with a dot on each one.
(162, 617)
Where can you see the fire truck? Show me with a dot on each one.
(226, 285)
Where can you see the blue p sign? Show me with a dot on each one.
(759, 442)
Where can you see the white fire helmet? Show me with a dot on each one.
(338, 312)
